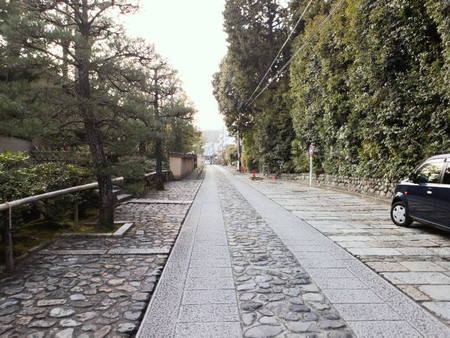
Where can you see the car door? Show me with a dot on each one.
(442, 197)
(421, 201)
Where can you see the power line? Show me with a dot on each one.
(318, 29)
(279, 51)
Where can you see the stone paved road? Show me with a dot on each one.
(415, 259)
(243, 266)
(68, 290)
(275, 294)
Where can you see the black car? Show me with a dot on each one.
(425, 195)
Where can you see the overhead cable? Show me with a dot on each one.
(318, 29)
(280, 50)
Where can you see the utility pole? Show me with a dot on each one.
(239, 150)
(223, 141)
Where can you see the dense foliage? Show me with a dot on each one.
(369, 86)
(256, 30)
(20, 178)
(71, 77)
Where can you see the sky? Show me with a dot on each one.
(189, 34)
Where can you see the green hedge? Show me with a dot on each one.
(371, 91)
(20, 178)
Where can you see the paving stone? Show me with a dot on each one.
(35, 335)
(115, 282)
(13, 290)
(437, 292)
(387, 266)
(417, 277)
(331, 324)
(413, 292)
(209, 297)
(89, 327)
(6, 319)
(59, 312)
(312, 297)
(383, 329)
(51, 302)
(442, 309)
(42, 323)
(126, 327)
(5, 328)
(328, 273)
(208, 313)
(351, 312)
(416, 251)
(374, 251)
(67, 333)
(269, 320)
(9, 310)
(340, 283)
(351, 296)
(140, 296)
(69, 323)
(208, 330)
(248, 318)
(111, 314)
(263, 331)
(24, 320)
(103, 332)
(85, 316)
(251, 306)
(422, 266)
(132, 315)
(247, 296)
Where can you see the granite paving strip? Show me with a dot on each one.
(94, 286)
(196, 296)
(398, 312)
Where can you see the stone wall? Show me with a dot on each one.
(372, 187)
(8, 143)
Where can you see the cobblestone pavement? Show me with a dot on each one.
(414, 259)
(277, 298)
(68, 290)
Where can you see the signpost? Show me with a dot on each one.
(311, 153)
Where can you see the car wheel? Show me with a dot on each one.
(399, 214)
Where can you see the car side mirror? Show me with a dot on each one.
(413, 177)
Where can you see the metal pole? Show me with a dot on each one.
(310, 170)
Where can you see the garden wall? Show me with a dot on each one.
(371, 187)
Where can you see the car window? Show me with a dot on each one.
(446, 179)
(430, 172)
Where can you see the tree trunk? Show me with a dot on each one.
(94, 135)
(94, 139)
(106, 215)
(159, 160)
(158, 142)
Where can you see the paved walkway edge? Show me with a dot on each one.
(162, 312)
(296, 233)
